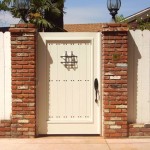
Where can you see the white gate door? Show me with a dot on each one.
(68, 65)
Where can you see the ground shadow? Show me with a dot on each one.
(44, 62)
(133, 62)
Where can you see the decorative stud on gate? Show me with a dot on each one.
(70, 61)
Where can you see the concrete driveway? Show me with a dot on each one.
(74, 143)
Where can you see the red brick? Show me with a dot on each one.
(121, 122)
(109, 106)
(146, 133)
(28, 126)
(28, 42)
(124, 126)
(109, 114)
(16, 66)
(29, 116)
(16, 91)
(137, 134)
(121, 115)
(115, 135)
(16, 58)
(28, 108)
(22, 62)
(145, 129)
(115, 110)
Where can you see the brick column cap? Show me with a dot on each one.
(23, 28)
(111, 27)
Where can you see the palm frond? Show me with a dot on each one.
(43, 13)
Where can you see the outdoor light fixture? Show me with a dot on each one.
(113, 6)
(23, 6)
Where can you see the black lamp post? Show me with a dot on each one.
(23, 6)
(113, 6)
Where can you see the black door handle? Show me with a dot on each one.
(96, 89)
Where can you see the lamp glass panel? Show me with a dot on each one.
(113, 4)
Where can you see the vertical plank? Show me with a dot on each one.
(52, 67)
(7, 57)
(89, 82)
(61, 73)
(69, 86)
(82, 77)
(2, 81)
(76, 49)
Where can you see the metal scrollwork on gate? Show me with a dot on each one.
(70, 61)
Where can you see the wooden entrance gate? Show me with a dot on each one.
(68, 89)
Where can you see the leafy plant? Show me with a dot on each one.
(120, 18)
(141, 24)
(38, 13)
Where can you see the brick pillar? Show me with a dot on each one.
(5, 130)
(23, 48)
(114, 58)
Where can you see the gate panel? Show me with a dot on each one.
(67, 79)
(70, 106)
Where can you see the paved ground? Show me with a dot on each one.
(74, 143)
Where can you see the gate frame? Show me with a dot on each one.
(77, 36)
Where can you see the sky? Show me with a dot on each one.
(95, 11)
(87, 11)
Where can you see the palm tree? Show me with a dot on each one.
(47, 15)
(56, 15)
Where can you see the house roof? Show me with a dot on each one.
(83, 27)
(143, 14)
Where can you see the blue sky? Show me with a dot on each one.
(88, 11)
(92, 11)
